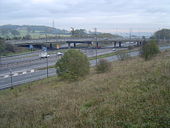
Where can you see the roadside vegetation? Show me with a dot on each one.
(73, 65)
(122, 55)
(9, 49)
(162, 34)
(113, 53)
(103, 66)
(149, 50)
(4, 48)
(134, 94)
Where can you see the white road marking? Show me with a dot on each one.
(18, 73)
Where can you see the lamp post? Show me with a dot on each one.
(72, 31)
(11, 78)
(95, 29)
(46, 54)
(130, 34)
(0, 60)
(47, 64)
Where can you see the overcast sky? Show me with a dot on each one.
(105, 15)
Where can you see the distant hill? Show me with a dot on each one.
(33, 30)
(36, 32)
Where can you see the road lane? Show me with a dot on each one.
(40, 74)
(37, 62)
(20, 79)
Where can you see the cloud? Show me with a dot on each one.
(86, 13)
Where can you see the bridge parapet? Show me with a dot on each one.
(42, 41)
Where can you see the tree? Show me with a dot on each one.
(2, 48)
(162, 34)
(27, 37)
(108, 35)
(78, 32)
(10, 48)
(149, 50)
(15, 32)
(73, 65)
(4, 31)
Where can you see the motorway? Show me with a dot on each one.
(21, 63)
(27, 72)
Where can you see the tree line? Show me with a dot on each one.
(163, 34)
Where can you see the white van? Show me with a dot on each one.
(44, 55)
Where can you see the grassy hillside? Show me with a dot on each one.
(134, 94)
(36, 32)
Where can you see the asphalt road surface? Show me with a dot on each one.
(26, 76)
(34, 61)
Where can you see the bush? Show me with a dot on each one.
(73, 65)
(103, 66)
(149, 50)
(10, 48)
(130, 47)
(2, 47)
(5, 48)
(122, 55)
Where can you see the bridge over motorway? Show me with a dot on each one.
(51, 42)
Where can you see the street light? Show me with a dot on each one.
(11, 78)
(46, 54)
(0, 60)
(95, 29)
(72, 31)
(47, 64)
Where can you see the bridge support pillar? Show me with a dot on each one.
(115, 44)
(120, 44)
(140, 43)
(137, 43)
(74, 45)
(97, 45)
(51, 46)
(68, 45)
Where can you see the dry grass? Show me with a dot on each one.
(134, 94)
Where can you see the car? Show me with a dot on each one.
(60, 54)
(113, 49)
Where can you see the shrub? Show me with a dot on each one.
(5, 47)
(122, 55)
(72, 65)
(2, 47)
(149, 49)
(130, 47)
(10, 48)
(103, 66)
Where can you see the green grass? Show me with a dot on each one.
(134, 94)
(17, 53)
(34, 35)
(110, 54)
